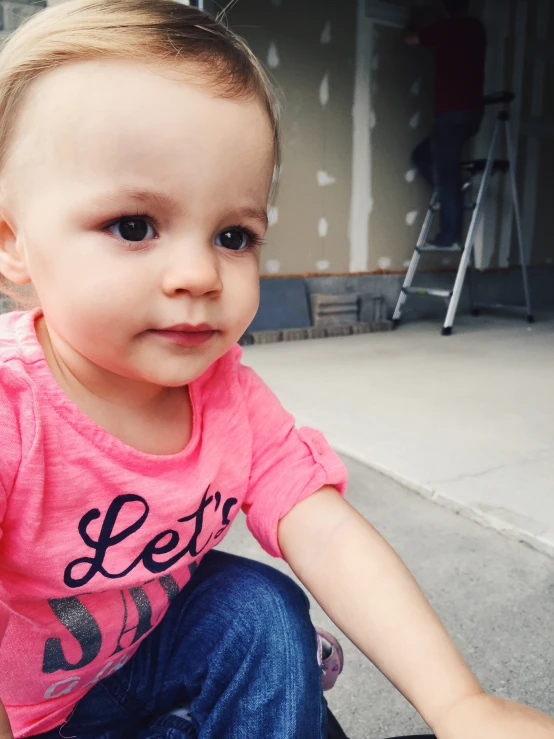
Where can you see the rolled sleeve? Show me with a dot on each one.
(288, 465)
(4, 618)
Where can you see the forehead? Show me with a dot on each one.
(106, 119)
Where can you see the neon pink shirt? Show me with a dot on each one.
(97, 538)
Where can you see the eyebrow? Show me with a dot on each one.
(143, 197)
(257, 214)
(169, 204)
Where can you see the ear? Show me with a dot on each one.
(13, 264)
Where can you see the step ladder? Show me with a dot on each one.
(487, 168)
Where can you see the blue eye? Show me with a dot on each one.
(235, 239)
(133, 228)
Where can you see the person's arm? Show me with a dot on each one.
(426, 34)
(5, 730)
(411, 38)
(372, 597)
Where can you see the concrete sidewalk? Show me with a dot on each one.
(466, 420)
(494, 595)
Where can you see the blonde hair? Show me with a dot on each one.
(153, 31)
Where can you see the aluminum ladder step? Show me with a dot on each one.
(433, 292)
(439, 249)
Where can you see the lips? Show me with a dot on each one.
(185, 334)
(187, 328)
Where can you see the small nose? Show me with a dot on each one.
(192, 269)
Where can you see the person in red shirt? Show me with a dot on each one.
(460, 45)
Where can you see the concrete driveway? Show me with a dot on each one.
(495, 595)
(466, 420)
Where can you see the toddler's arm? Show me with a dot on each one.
(5, 731)
(368, 592)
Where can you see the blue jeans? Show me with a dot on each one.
(438, 159)
(237, 645)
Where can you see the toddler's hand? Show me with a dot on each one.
(486, 717)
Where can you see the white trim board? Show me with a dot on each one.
(360, 204)
(533, 145)
(496, 21)
(369, 13)
(506, 228)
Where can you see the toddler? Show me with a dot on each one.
(139, 141)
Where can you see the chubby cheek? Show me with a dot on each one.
(87, 321)
(82, 307)
(241, 294)
(75, 283)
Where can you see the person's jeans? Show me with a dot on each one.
(438, 160)
(236, 645)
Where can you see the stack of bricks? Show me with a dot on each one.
(334, 310)
(320, 332)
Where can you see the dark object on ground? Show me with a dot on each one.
(334, 730)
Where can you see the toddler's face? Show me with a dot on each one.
(137, 201)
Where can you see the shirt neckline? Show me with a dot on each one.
(33, 355)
